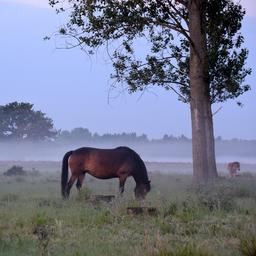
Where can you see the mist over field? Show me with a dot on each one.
(243, 151)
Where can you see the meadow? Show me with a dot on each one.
(219, 219)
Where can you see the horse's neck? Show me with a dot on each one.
(141, 178)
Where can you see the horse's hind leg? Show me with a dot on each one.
(121, 184)
(80, 181)
(70, 183)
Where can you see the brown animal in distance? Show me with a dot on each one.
(233, 167)
(120, 162)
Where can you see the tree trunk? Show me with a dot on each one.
(204, 166)
(211, 162)
(200, 173)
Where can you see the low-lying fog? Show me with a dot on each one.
(226, 151)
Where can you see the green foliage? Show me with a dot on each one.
(184, 250)
(226, 57)
(248, 245)
(163, 252)
(170, 209)
(103, 218)
(225, 53)
(221, 195)
(44, 231)
(40, 220)
(189, 211)
(20, 122)
(84, 194)
(191, 250)
(164, 30)
(216, 197)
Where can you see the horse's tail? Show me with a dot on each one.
(64, 173)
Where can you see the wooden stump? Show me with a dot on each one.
(102, 198)
(142, 210)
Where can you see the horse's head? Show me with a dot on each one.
(142, 189)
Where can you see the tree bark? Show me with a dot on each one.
(210, 143)
(204, 165)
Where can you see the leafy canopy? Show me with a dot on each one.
(18, 121)
(163, 26)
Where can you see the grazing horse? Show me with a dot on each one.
(233, 168)
(120, 162)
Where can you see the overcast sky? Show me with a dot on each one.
(74, 90)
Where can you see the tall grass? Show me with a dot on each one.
(211, 220)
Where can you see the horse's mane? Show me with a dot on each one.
(142, 175)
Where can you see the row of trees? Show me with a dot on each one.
(78, 134)
(84, 134)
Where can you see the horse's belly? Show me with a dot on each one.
(106, 177)
(102, 175)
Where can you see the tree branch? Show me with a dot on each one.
(179, 13)
(183, 2)
(177, 26)
(214, 113)
(180, 95)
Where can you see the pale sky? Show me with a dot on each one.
(73, 90)
(35, 3)
(249, 5)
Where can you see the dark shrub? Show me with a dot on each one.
(15, 170)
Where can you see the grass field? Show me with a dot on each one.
(216, 220)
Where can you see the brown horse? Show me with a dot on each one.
(120, 162)
(233, 168)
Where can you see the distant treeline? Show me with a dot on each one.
(83, 134)
(78, 134)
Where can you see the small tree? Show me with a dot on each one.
(18, 121)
